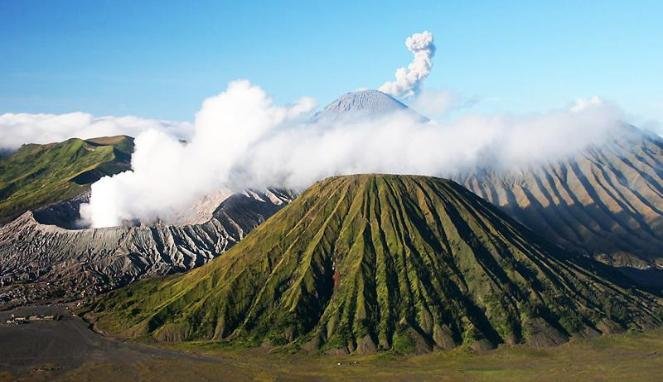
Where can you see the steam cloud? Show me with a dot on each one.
(241, 139)
(408, 81)
(18, 129)
(169, 175)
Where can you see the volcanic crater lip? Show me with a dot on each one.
(361, 263)
(40, 262)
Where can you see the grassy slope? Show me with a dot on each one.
(37, 175)
(382, 262)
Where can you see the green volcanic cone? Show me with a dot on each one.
(377, 262)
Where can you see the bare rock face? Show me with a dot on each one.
(43, 262)
(64, 214)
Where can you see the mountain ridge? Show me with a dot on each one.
(606, 200)
(37, 175)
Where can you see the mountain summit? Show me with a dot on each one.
(363, 104)
(383, 262)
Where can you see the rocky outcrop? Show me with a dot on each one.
(41, 262)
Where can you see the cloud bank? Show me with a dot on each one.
(242, 139)
(19, 129)
(168, 175)
(408, 80)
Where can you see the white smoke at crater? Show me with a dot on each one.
(408, 80)
(169, 175)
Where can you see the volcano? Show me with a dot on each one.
(383, 262)
(364, 104)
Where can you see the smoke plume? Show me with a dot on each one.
(408, 80)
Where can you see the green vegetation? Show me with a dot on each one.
(615, 357)
(37, 175)
(378, 262)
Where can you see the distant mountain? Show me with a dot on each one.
(38, 175)
(363, 104)
(40, 262)
(383, 262)
(606, 200)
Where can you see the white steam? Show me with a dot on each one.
(18, 129)
(169, 175)
(408, 80)
(241, 139)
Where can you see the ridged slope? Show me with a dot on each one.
(368, 262)
(41, 262)
(606, 200)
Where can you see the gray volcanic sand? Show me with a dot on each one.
(45, 349)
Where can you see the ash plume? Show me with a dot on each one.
(408, 80)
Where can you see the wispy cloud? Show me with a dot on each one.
(21, 128)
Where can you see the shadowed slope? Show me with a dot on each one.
(368, 262)
(606, 200)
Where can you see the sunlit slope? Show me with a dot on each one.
(37, 175)
(369, 262)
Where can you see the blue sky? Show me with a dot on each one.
(160, 59)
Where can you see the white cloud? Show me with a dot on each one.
(241, 139)
(583, 104)
(168, 175)
(408, 80)
(18, 129)
(440, 103)
(296, 156)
